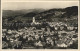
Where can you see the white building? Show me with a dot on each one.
(34, 21)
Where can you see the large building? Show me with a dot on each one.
(34, 21)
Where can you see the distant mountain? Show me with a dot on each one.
(71, 11)
(11, 13)
(56, 14)
(59, 13)
(14, 13)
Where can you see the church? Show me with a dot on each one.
(34, 22)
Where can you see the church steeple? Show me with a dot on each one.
(33, 19)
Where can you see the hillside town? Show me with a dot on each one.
(50, 35)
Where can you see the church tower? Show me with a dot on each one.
(33, 19)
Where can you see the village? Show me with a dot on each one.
(55, 35)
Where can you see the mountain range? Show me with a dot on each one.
(40, 14)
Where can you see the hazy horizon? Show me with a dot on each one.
(37, 5)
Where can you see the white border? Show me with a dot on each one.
(41, 49)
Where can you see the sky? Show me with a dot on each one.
(17, 5)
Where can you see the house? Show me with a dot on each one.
(62, 45)
(52, 23)
(3, 30)
(70, 28)
(39, 31)
(43, 29)
(75, 27)
(9, 32)
(61, 27)
(60, 32)
(55, 28)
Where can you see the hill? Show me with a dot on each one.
(57, 14)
